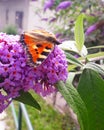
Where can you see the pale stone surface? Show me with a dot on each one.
(2, 121)
(2, 125)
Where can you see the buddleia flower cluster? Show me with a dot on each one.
(16, 74)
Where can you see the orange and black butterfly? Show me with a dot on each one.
(39, 43)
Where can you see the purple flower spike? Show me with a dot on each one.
(63, 5)
(48, 4)
(13, 69)
(16, 74)
(91, 29)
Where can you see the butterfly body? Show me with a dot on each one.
(39, 43)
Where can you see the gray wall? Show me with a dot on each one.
(8, 10)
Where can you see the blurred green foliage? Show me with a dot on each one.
(46, 119)
(10, 29)
(62, 22)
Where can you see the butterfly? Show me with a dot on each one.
(38, 43)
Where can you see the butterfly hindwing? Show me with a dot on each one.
(39, 52)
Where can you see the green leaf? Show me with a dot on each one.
(71, 67)
(96, 47)
(91, 89)
(95, 67)
(72, 59)
(96, 56)
(93, 57)
(72, 76)
(27, 98)
(91, 19)
(79, 32)
(70, 46)
(75, 102)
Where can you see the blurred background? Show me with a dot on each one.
(58, 16)
(20, 15)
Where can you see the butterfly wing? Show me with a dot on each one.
(39, 44)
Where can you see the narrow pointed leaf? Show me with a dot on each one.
(75, 102)
(96, 47)
(72, 59)
(92, 57)
(96, 56)
(91, 89)
(79, 32)
(28, 99)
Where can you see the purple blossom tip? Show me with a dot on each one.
(63, 5)
(17, 74)
(52, 20)
(91, 29)
(44, 19)
(48, 4)
(58, 35)
(98, 25)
